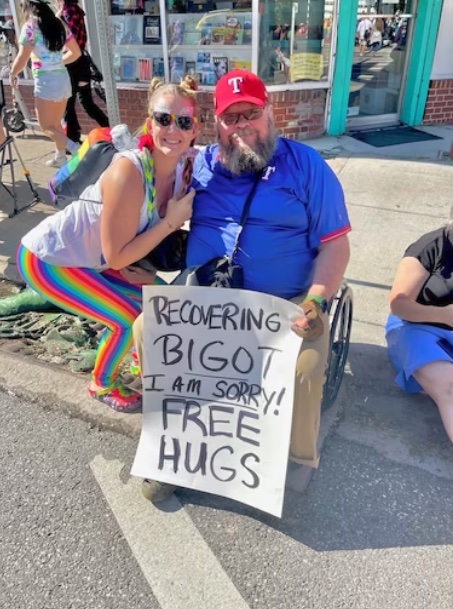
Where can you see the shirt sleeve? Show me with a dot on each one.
(325, 200)
(72, 23)
(27, 36)
(427, 250)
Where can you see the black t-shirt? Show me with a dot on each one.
(434, 251)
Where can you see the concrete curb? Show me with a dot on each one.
(55, 389)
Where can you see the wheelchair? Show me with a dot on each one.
(340, 311)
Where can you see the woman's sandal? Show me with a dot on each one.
(118, 397)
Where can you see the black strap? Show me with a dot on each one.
(245, 212)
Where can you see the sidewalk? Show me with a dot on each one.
(35, 150)
(394, 195)
(340, 152)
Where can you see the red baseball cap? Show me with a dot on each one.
(239, 86)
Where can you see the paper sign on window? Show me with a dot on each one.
(306, 66)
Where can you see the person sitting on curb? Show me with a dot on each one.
(72, 258)
(294, 243)
(419, 330)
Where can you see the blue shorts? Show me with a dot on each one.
(53, 86)
(411, 346)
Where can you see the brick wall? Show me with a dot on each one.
(298, 115)
(439, 105)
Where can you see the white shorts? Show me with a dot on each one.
(53, 86)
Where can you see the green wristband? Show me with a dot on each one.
(319, 299)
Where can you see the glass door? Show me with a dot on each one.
(382, 46)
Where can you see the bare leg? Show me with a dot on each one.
(437, 380)
(50, 114)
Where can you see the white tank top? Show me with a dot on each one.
(72, 236)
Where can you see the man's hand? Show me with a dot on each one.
(310, 327)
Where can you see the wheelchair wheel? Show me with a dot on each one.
(341, 310)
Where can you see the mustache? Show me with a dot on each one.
(242, 132)
(245, 158)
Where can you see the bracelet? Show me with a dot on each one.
(319, 299)
(315, 297)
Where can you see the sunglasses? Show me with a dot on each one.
(232, 118)
(164, 119)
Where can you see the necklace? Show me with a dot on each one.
(150, 180)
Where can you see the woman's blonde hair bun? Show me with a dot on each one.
(155, 84)
(189, 83)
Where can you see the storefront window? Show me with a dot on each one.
(207, 39)
(294, 40)
(4, 9)
(135, 27)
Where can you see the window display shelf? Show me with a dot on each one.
(136, 47)
(217, 48)
(205, 44)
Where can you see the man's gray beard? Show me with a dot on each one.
(243, 159)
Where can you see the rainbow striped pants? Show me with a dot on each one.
(101, 296)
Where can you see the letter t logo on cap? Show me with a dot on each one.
(239, 86)
(235, 82)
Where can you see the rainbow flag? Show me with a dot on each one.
(84, 167)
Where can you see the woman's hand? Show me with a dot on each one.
(179, 211)
(13, 81)
(137, 275)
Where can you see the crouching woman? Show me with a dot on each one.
(72, 258)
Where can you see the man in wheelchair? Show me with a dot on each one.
(292, 244)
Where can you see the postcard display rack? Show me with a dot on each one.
(204, 44)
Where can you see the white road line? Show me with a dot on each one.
(178, 564)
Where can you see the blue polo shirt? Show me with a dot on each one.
(298, 205)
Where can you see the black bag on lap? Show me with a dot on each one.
(221, 271)
(169, 255)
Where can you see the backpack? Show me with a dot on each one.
(86, 166)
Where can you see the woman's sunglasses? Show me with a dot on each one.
(164, 119)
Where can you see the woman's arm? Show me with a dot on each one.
(20, 62)
(122, 198)
(410, 278)
(71, 51)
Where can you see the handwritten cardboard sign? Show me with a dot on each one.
(218, 385)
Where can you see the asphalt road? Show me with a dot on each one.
(369, 533)
(60, 545)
